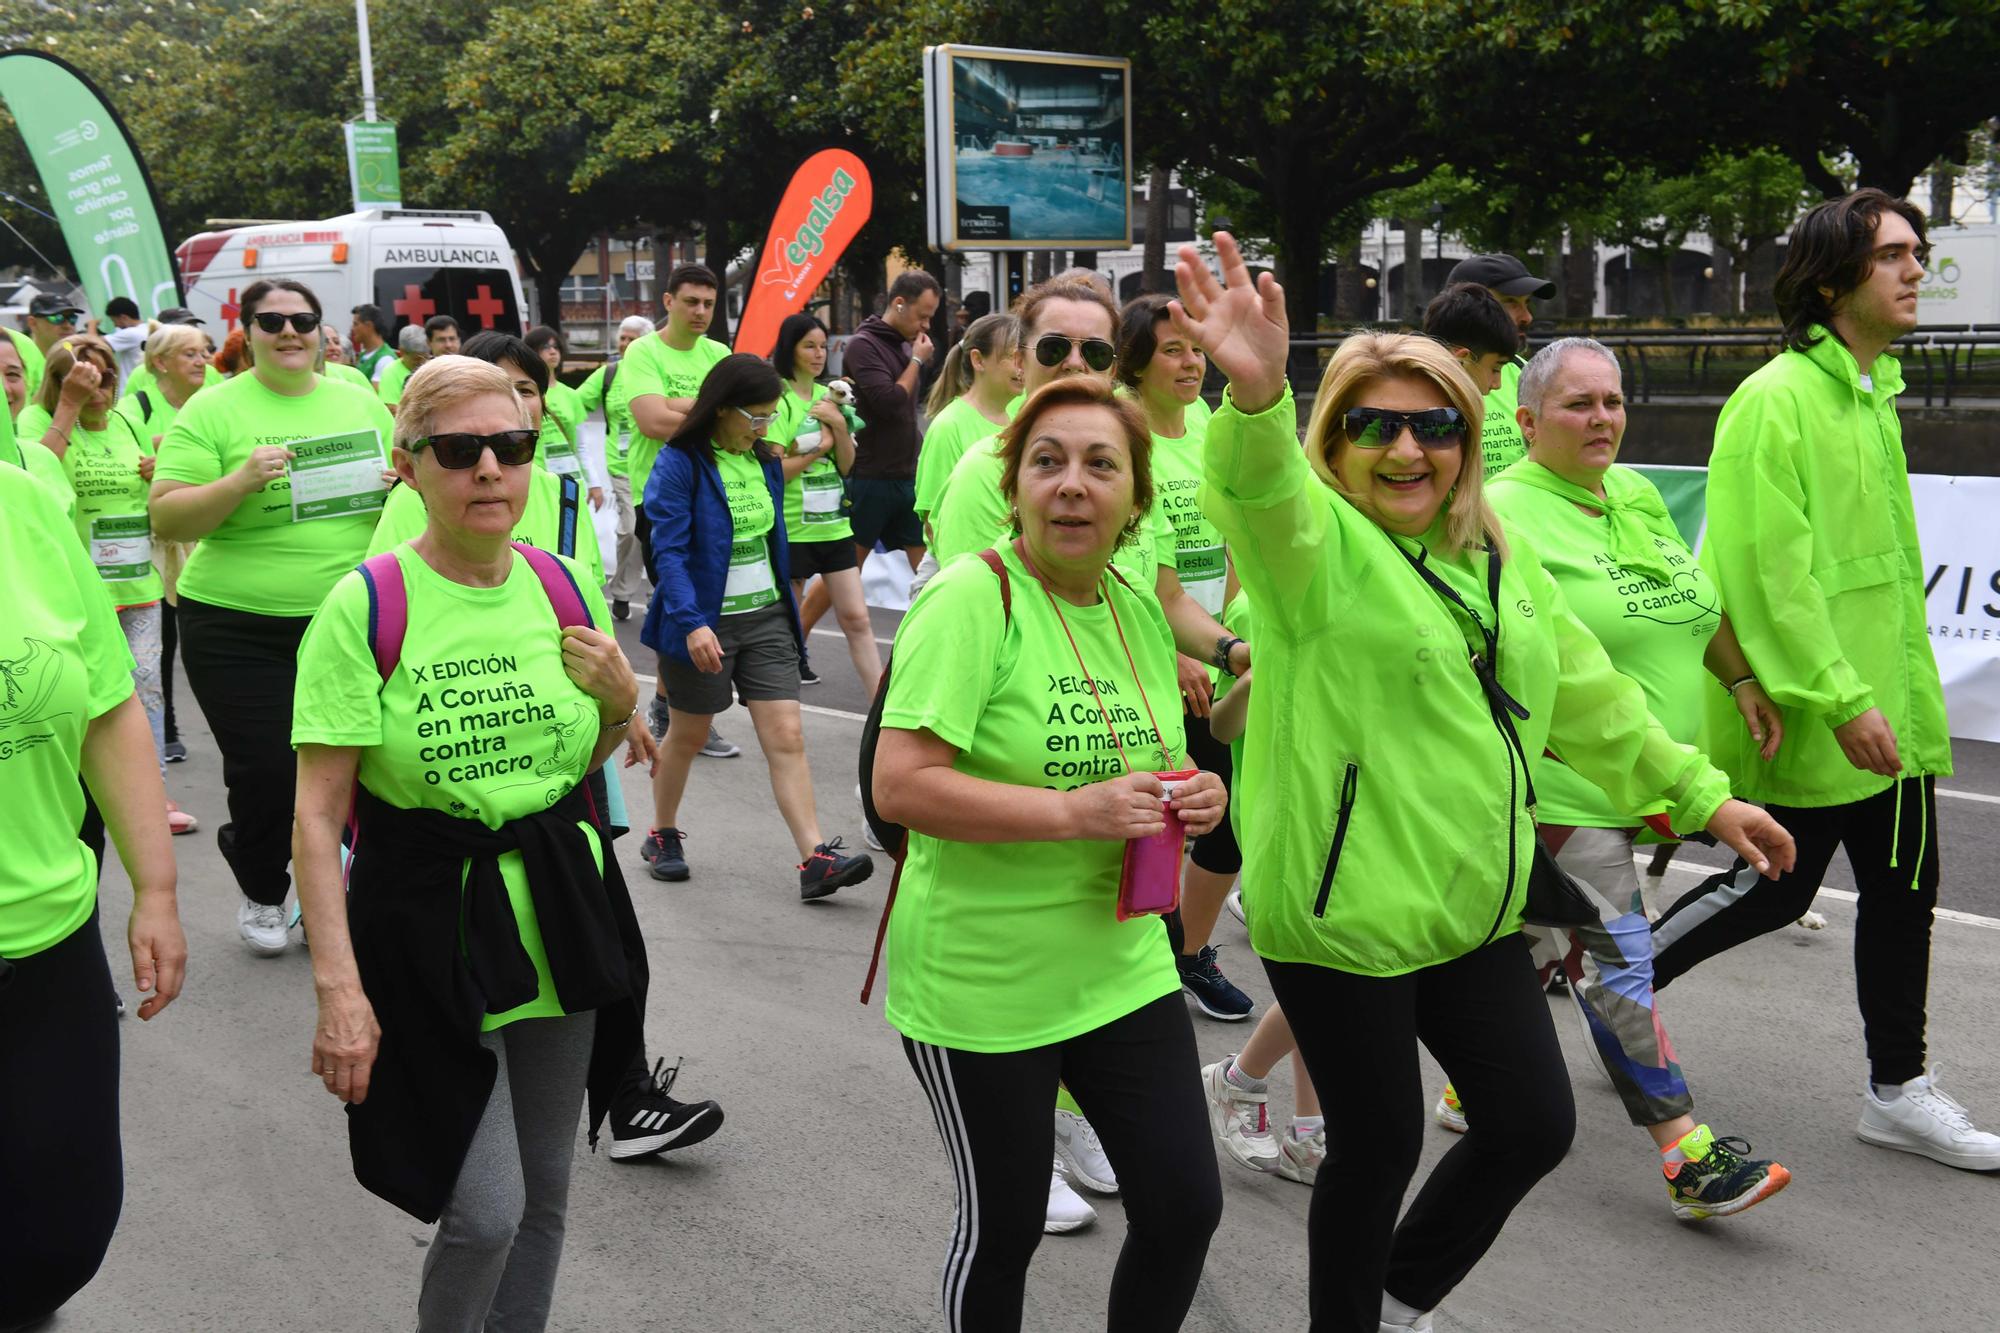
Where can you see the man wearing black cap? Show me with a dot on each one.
(1501, 442)
(51, 318)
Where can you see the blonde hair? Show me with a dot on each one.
(63, 358)
(445, 382)
(171, 340)
(1368, 358)
(992, 336)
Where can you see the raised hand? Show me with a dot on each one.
(1240, 324)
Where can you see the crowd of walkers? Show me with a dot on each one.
(1489, 672)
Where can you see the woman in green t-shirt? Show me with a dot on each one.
(723, 619)
(564, 449)
(66, 708)
(108, 465)
(280, 473)
(1604, 534)
(1163, 371)
(981, 376)
(176, 368)
(1413, 664)
(818, 451)
(452, 696)
(994, 753)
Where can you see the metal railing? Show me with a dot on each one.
(1948, 364)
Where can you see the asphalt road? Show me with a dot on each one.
(825, 1200)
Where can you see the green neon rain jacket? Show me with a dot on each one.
(1391, 829)
(1812, 537)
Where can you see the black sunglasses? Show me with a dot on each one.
(511, 448)
(305, 321)
(61, 317)
(1052, 349)
(1378, 427)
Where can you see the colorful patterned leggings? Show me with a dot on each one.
(1610, 969)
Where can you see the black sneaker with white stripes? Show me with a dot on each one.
(646, 1121)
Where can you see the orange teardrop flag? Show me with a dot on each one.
(825, 205)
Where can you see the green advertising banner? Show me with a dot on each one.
(373, 166)
(96, 183)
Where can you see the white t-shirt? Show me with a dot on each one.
(129, 346)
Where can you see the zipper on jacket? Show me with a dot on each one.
(1513, 841)
(1349, 782)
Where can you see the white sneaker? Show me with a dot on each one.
(1926, 1122)
(867, 829)
(1078, 1150)
(263, 927)
(1423, 1325)
(1812, 921)
(1239, 1119)
(1299, 1158)
(1450, 1111)
(1068, 1210)
(1234, 902)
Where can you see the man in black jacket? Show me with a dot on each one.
(884, 360)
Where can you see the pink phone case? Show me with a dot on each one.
(1150, 883)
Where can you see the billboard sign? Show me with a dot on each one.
(1027, 150)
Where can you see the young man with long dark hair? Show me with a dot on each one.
(1812, 538)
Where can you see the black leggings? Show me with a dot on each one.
(170, 638)
(1485, 1020)
(1891, 841)
(1137, 1080)
(1216, 850)
(62, 1170)
(243, 668)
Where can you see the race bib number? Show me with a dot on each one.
(1204, 574)
(624, 443)
(121, 547)
(563, 459)
(750, 585)
(336, 475)
(821, 495)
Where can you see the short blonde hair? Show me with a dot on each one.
(1368, 358)
(171, 340)
(445, 382)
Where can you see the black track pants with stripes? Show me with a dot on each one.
(1138, 1081)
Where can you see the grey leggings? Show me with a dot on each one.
(492, 1263)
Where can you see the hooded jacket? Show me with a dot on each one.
(1391, 829)
(1812, 537)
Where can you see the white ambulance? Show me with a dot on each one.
(413, 263)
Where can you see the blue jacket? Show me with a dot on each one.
(692, 534)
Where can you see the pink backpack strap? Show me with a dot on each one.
(559, 584)
(388, 610)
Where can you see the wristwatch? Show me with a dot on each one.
(1220, 659)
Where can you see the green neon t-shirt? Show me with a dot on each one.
(752, 582)
(27, 454)
(152, 418)
(649, 366)
(972, 515)
(403, 517)
(390, 387)
(1501, 444)
(281, 548)
(951, 433)
(63, 661)
(816, 500)
(1200, 556)
(1239, 620)
(479, 719)
(617, 420)
(346, 374)
(1006, 692)
(1634, 584)
(102, 467)
(562, 412)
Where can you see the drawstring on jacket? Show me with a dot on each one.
(1923, 834)
(1896, 824)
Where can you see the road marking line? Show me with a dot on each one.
(1844, 895)
(1968, 796)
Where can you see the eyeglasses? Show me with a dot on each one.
(758, 422)
(1052, 349)
(65, 317)
(1378, 427)
(304, 321)
(456, 450)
